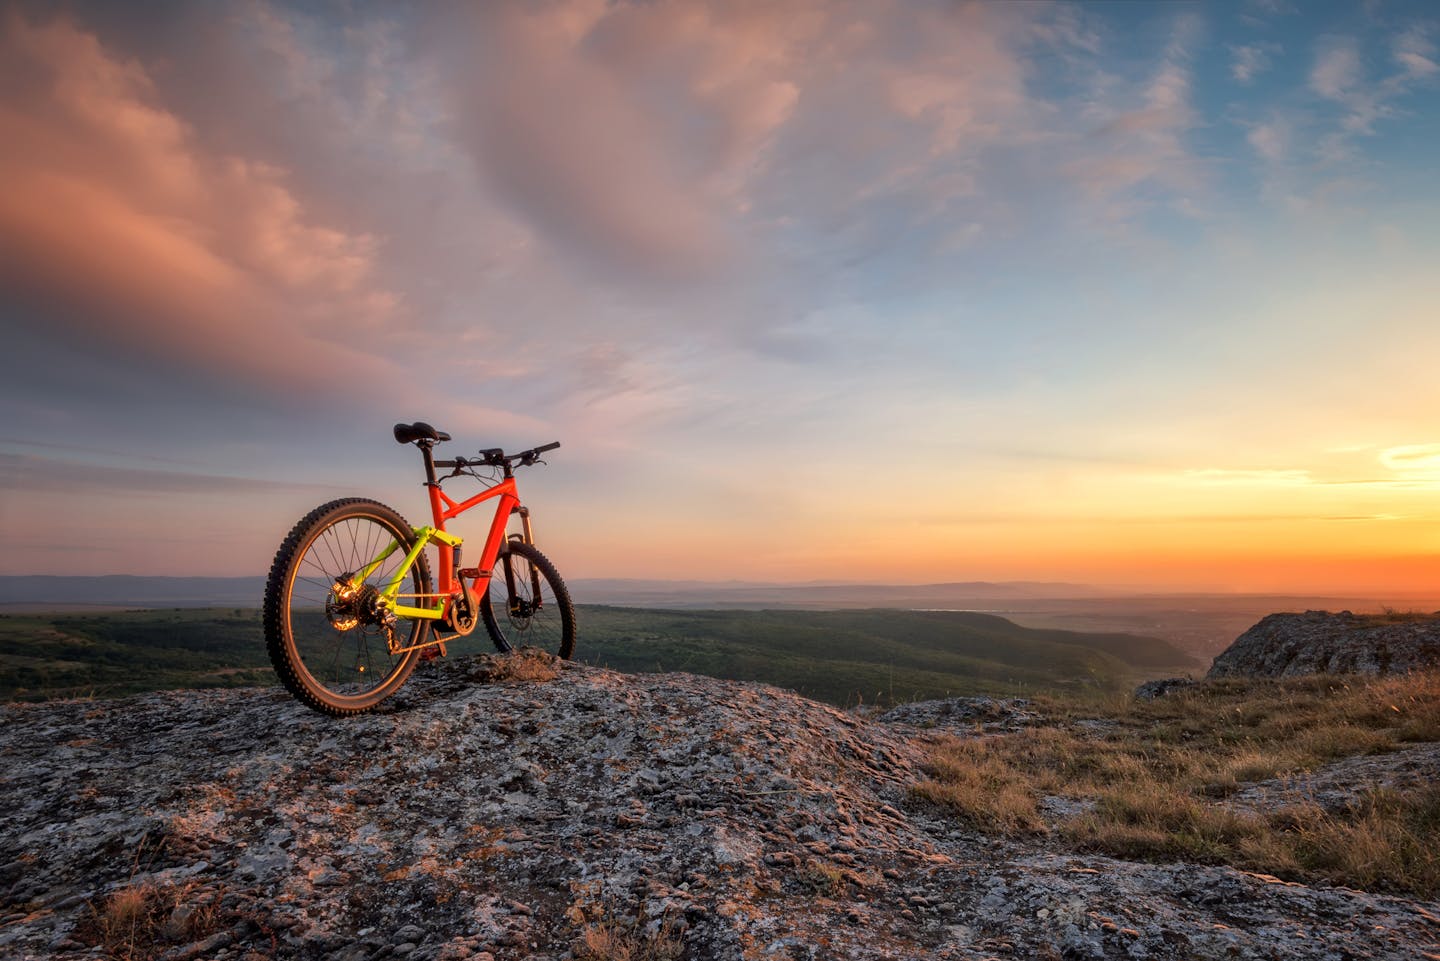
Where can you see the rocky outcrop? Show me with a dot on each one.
(1316, 642)
(569, 818)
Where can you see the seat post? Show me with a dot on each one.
(425, 446)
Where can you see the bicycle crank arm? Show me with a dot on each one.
(433, 642)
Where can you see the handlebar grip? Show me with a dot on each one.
(550, 446)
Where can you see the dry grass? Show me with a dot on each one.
(139, 920)
(1390, 615)
(982, 786)
(1150, 773)
(821, 878)
(1384, 836)
(617, 941)
(527, 664)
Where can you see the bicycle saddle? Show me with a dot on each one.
(410, 433)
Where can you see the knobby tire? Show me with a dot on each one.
(335, 671)
(516, 621)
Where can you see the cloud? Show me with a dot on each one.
(1415, 53)
(1413, 461)
(124, 229)
(1280, 478)
(1336, 72)
(656, 143)
(1272, 8)
(623, 134)
(46, 475)
(1269, 140)
(1411, 467)
(1132, 155)
(1145, 144)
(1338, 75)
(1248, 61)
(578, 164)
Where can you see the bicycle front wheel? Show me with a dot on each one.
(328, 638)
(527, 604)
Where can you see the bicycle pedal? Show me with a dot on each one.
(433, 651)
(470, 572)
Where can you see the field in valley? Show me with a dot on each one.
(842, 657)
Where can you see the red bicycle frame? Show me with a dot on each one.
(443, 508)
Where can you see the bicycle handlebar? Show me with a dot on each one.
(495, 457)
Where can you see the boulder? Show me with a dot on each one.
(1161, 688)
(1318, 642)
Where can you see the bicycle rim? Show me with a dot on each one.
(538, 613)
(336, 652)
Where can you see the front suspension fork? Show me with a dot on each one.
(527, 537)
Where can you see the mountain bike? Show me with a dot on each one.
(349, 603)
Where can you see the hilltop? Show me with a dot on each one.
(510, 809)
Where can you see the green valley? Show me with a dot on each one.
(842, 657)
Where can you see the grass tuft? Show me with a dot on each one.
(821, 878)
(527, 664)
(137, 921)
(619, 941)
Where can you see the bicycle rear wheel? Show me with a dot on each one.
(527, 604)
(330, 645)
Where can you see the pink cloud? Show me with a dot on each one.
(1415, 53)
(561, 135)
(1145, 144)
(653, 139)
(120, 224)
(1337, 71)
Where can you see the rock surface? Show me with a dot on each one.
(1164, 687)
(965, 715)
(1316, 642)
(507, 820)
(1338, 785)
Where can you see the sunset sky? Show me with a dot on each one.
(1131, 294)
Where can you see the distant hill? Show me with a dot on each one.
(126, 590)
(1201, 624)
(837, 656)
(873, 655)
(130, 591)
(816, 595)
